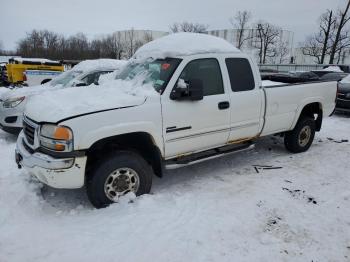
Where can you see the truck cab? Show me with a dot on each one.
(182, 99)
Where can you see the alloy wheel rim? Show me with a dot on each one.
(304, 136)
(120, 182)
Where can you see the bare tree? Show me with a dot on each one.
(115, 45)
(240, 22)
(267, 38)
(327, 22)
(318, 45)
(282, 51)
(148, 37)
(188, 27)
(343, 44)
(44, 43)
(1, 46)
(311, 47)
(130, 42)
(342, 19)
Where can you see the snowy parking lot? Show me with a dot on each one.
(260, 205)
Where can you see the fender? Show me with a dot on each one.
(120, 129)
(91, 128)
(304, 103)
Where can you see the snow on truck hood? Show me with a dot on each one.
(64, 103)
(183, 44)
(25, 91)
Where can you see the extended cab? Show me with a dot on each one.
(206, 101)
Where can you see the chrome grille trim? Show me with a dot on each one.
(30, 129)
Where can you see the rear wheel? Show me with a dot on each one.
(117, 175)
(301, 137)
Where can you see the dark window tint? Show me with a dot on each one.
(241, 75)
(93, 77)
(207, 70)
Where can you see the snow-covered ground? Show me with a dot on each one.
(221, 210)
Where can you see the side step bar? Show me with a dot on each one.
(206, 155)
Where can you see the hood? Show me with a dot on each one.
(66, 103)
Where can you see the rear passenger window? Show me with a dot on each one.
(207, 70)
(241, 75)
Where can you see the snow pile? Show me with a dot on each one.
(26, 91)
(219, 210)
(345, 80)
(110, 76)
(79, 100)
(40, 60)
(89, 65)
(333, 69)
(182, 44)
(266, 83)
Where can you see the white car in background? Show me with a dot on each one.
(12, 102)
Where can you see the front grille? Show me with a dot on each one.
(30, 150)
(28, 132)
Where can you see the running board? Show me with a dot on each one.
(206, 155)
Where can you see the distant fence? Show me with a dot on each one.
(298, 67)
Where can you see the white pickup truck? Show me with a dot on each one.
(182, 99)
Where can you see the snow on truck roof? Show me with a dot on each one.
(183, 44)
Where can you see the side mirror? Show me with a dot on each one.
(80, 84)
(192, 91)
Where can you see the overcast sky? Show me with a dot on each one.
(96, 17)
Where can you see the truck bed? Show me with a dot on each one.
(284, 103)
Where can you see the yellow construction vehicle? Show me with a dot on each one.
(39, 70)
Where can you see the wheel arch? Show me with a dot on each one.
(311, 109)
(142, 143)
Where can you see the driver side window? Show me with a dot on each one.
(207, 70)
(89, 79)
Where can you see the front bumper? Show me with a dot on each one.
(54, 172)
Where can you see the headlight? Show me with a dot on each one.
(13, 102)
(57, 138)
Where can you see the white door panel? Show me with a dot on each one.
(246, 108)
(194, 125)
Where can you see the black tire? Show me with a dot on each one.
(292, 138)
(97, 177)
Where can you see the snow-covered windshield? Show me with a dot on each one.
(65, 78)
(157, 72)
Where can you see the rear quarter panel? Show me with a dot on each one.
(285, 103)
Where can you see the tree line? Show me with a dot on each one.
(332, 38)
(266, 40)
(48, 44)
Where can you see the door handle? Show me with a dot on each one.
(224, 105)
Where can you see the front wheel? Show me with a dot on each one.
(117, 175)
(301, 137)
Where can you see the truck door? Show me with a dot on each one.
(246, 98)
(190, 126)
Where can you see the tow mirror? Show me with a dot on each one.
(80, 84)
(193, 90)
